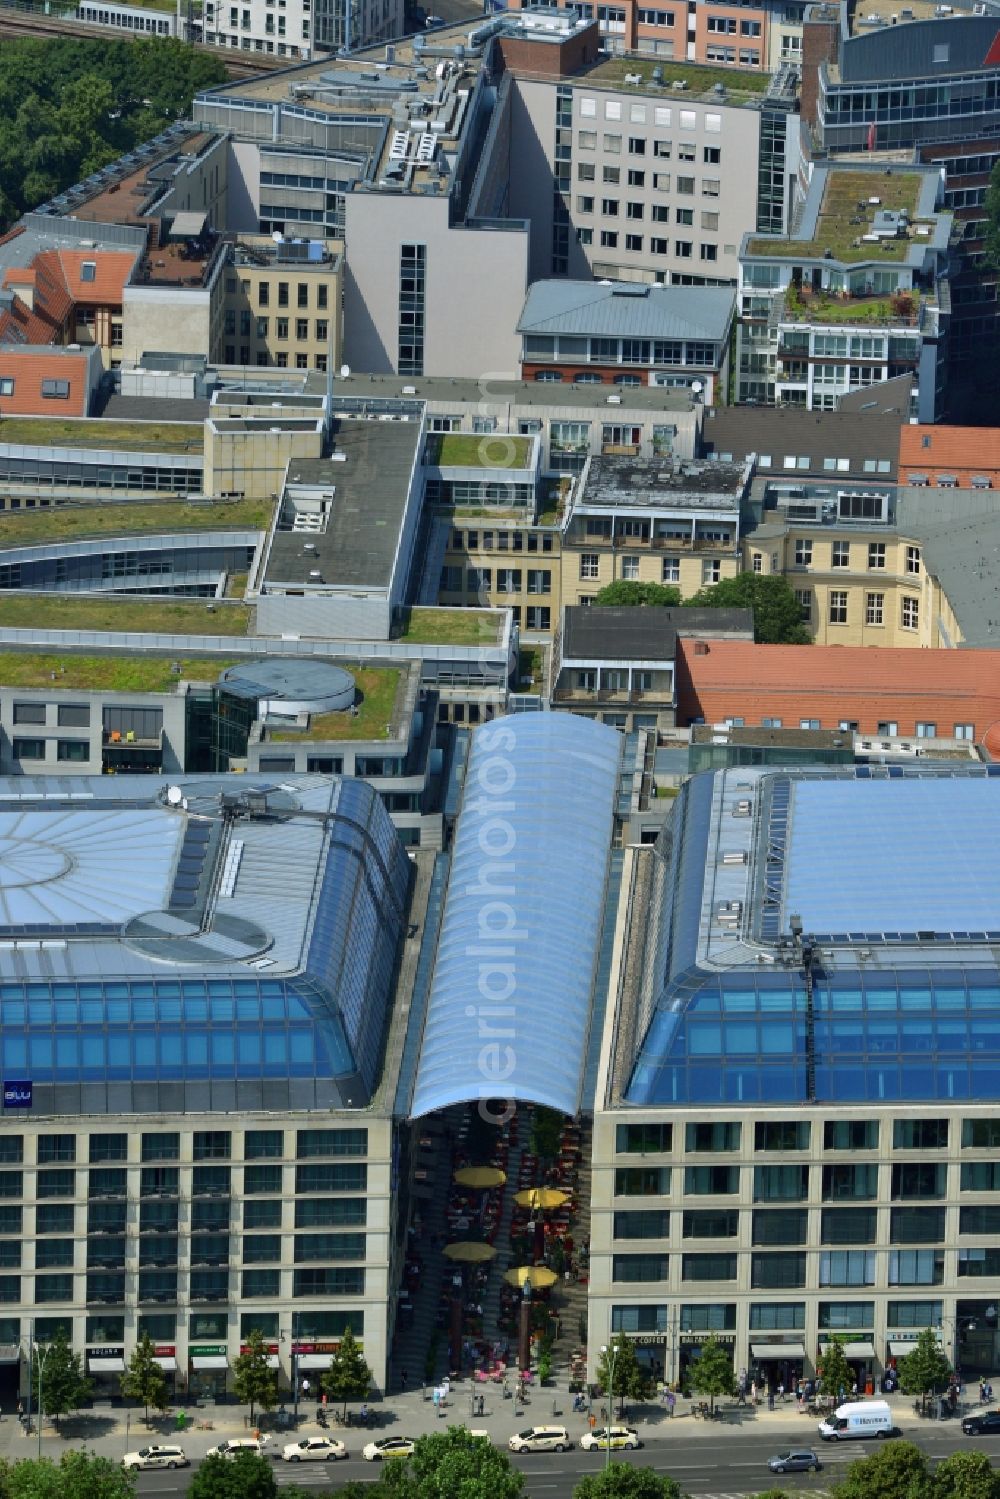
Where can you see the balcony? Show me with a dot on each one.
(800, 304)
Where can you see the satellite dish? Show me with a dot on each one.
(345, 370)
(174, 796)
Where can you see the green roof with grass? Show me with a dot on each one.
(76, 522)
(842, 221)
(700, 79)
(155, 615)
(95, 432)
(478, 450)
(377, 688)
(452, 626)
(105, 673)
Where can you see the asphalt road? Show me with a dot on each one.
(709, 1464)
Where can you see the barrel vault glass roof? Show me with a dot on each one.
(915, 1019)
(510, 1004)
(100, 1022)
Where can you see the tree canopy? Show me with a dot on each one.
(77, 1475)
(450, 1464)
(966, 1475)
(626, 1380)
(255, 1383)
(777, 615)
(900, 1470)
(64, 1386)
(348, 1377)
(69, 107)
(926, 1368)
(246, 1476)
(143, 1380)
(835, 1374)
(626, 593)
(711, 1373)
(625, 1481)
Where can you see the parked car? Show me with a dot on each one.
(981, 1424)
(156, 1456)
(796, 1460)
(313, 1450)
(374, 1452)
(235, 1445)
(541, 1439)
(610, 1436)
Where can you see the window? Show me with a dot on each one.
(53, 1288)
(711, 570)
(709, 1223)
(980, 1176)
(926, 730)
(848, 1180)
(611, 174)
(965, 731)
(778, 1271)
(212, 1145)
(261, 1144)
(779, 1225)
(848, 1225)
(642, 1181)
(846, 1316)
(630, 568)
(916, 1267)
(919, 1179)
(644, 1139)
(913, 560)
(922, 1225)
(711, 1181)
(609, 241)
(876, 556)
(330, 1212)
(841, 555)
(671, 570)
(635, 1268)
(847, 1267)
(981, 1134)
(838, 606)
(649, 1319)
(56, 1148)
(910, 613)
(850, 1134)
(6, 386)
(803, 597)
(780, 1183)
(889, 727)
(874, 608)
(55, 390)
(589, 565)
(778, 1316)
(712, 1137)
(263, 1212)
(261, 1282)
(331, 1178)
(920, 1134)
(260, 1179)
(708, 1267)
(709, 252)
(803, 553)
(29, 749)
(784, 1134)
(642, 1223)
(161, 1147)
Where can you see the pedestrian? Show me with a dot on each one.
(781, 1391)
(770, 1397)
(854, 1390)
(404, 1378)
(753, 1394)
(671, 1402)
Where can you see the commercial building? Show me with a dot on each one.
(301, 30)
(283, 304)
(628, 335)
(855, 447)
(857, 296)
(794, 1115)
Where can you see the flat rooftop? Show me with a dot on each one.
(139, 436)
(602, 633)
(132, 673)
(368, 474)
(75, 522)
(156, 614)
(442, 389)
(851, 205)
(678, 80)
(708, 484)
(381, 691)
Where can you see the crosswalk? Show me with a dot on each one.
(306, 1475)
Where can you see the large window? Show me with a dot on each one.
(329, 1212)
(916, 1267)
(311, 1143)
(980, 1176)
(258, 1179)
(780, 1225)
(638, 1319)
(777, 1271)
(642, 1181)
(846, 1180)
(984, 1219)
(262, 1212)
(412, 286)
(708, 1267)
(339, 1280)
(981, 1134)
(847, 1267)
(212, 1145)
(639, 1267)
(846, 1316)
(711, 1181)
(780, 1183)
(161, 1147)
(921, 1225)
(642, 1223)
(782, 1134)
(921, 1179)
(108, 1148)
(920, 1134)
(310, 1247)
(53, 1148)
(643, 1139)
(777, 1316)
(712, 1137)
(849, 1225)
(709, 1223)
(263, 1144)
(716, 1317)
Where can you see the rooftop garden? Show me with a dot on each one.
(143, 437)
(26, 611)
(846, 216)
(478, 450)
(803, 305)
(74, 522)
(377, 688)
(451, 627)
(105, 673)
(699, 78)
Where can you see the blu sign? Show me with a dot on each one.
(17, 1095)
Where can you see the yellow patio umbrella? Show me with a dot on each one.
(469, 1252)
(541, 1198)
(541, 1277)
(480, 1176)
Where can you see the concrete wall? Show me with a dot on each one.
(253, 463)
(166, 319)
(171, 705)
(475, 286)
(243, 194)
(324, 616)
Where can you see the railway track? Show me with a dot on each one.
(24, 23)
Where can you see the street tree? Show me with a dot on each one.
(143, 1380)
(835, 1374)
(711, 1373)
(248, 1476)
(255, 1383)
(625, 1481)
(777, 614)
(348, 1377)
(629, 593)
(926, 1368)
(899, 1470)
(966, 1475)
(77, 1475)
(619, 1373)
(58, 1373)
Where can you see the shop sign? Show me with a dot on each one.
(206, 1350)
(17, 1094)
(164, 1350)
(268, 1348)
(316, 1347)
(102, 1350)
(703, 1337)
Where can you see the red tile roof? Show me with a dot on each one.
(923, 449)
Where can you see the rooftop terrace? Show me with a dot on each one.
(378, 689)
(75, 522)
(846, 215)
(105, 673)
(700, 81)
(169, 616)
(139, 437)
(476, 450)
(453, 626)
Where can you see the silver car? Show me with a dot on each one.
(796, 1460)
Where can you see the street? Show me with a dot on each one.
(708, 1463)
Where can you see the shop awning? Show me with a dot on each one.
(768, 1352)
(209, 1361)
(315, 1360)
(900, 1347)
(856, 1350)
(168, 1365)
(106, 1365)
(10, 1353)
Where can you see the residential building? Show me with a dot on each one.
(794, 1104)
(624, 334)
(39, 378)
(867, 691)
(954, 539)
(946, 457)
(301, 30)
(640, 520)
(618, 664)
(283, 303)
(856, 297)
(801, 446)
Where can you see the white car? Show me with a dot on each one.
(387, 1447)
(156, 1457)
(314, 1450)
(614, 1437)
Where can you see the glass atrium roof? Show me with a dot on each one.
(510, 1003)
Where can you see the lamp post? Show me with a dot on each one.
(611, 1354)
(34, 1354)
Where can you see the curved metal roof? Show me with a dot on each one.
(510, 1004)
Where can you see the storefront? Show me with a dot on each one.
(690, 1350)
(311, 1362)
(105, 1367)
(777, 1364)
(860, 1355)
(209, 1370)
(165, 1355)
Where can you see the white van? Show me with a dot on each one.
(858, 1418)
(235, 1445)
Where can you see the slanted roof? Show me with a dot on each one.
(738, 431)
(960, 534)
(627, 309)
(959, 448)
(510, 1002)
